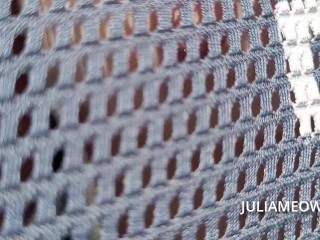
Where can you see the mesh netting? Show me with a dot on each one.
(149, 120)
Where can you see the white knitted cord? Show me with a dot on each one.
(299, 24)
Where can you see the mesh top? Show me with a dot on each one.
(155, 119)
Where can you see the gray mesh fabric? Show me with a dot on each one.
(148, 120)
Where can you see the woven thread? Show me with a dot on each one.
(155, 119)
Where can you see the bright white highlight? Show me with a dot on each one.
(299, 24)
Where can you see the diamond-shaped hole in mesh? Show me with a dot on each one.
(187, 87)
(176, 17)
(119, 185)
(19, 44)
(275, 101)
(217, 153)
(209, 83)
(192, 123)
(54, 119)
(133, 61)
(81, 70)
(197, 198)
(167, 129)
(163, 92)
(171, 167)
(26, 169)
(138, 98)
(241, 181)
(204, 49)
(259, 140)
(224, 45)
(115, 144)
(314, 222)
(29, 213)
(107, 67)
(52, 76)
(231, 78)
(57, 161)
(218, 11)
(314, 156)
(61, 202)
(153, 21)
(214, 117)
(91, 192)
(251, 73)
(88, 151)
(77, 33)
(104, 30)
(16, 7)
(22, 83)
(84, 111)
(24, 126)
(129, 24)
(312, 123)
(292, 96)
(235, 112)
(195, 160)
(148, 216)
(158, 56)
(297, 129)
(279, 133)
(49, 38)
(242, 220)
(181, 52)
(222, 226)
(201, 232)
(271, 68)
(260, 174)
(2, 218)
(122, 225)
(142, 137)
(257, 7)
(174, 206)
(264, 36)
(298, 229)
(279, 168)
(245, 44)
(237, 9)
(112, 105)
(197, 14)
(255, 106)
(220, 187)
(146, 176)
(239, 146)
(95, 231)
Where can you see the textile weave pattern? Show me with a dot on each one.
(298, 22)
(156, 119)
